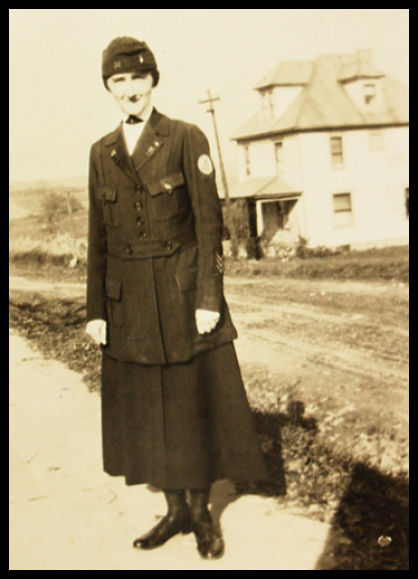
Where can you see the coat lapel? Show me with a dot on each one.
(151, 140)
(118, 152)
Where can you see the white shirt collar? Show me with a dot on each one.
(133, 132)
(145, 115)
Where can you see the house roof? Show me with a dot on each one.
(287, 74)
(263, 187)
(323, 102)
(358, 69)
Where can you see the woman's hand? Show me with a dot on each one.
(96, 329)
(206, 320)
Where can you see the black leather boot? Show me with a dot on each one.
(177, 520)
(210, 543)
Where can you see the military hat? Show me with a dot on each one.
(125, 54)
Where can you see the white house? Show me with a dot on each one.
(326, 157)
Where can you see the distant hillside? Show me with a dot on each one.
(25, 197)
(73, 182)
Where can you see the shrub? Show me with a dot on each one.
(56, 204)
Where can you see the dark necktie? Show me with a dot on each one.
(133, 120)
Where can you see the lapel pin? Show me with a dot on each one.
(113, 155)
(152, 148)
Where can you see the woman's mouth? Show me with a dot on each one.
(135, 99)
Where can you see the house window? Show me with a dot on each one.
(278, 155)
(376, 142)
(247, 159)
(369, 92)
(336, 144)
(343, 214)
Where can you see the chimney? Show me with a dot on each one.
(365, 55)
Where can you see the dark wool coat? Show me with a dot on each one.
(155, 251)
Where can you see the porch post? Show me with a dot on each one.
(260, 223)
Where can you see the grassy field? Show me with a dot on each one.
(49, 233)
(34, 242)
(391, 263)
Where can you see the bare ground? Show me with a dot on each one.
(344, 338)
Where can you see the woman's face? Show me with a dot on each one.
(132, 91)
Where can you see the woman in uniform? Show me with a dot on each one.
(174, 409)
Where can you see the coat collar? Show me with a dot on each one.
(150, 142)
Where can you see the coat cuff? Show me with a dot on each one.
(209, 296)
(96, 311)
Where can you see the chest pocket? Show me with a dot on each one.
(168, 196)
(111, 215)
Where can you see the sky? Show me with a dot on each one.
(58, 105)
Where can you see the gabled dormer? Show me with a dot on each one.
(333, 91)
(363, 83)
(281, 86)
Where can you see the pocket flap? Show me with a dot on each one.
(113, 288)
(108, 193)
(167, 184)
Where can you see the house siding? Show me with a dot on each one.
(263, 163)
(375, 179)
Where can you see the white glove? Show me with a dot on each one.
(96, 329)
(206, 320)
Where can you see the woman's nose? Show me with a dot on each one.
(130, 89)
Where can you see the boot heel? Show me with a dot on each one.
(186, 528)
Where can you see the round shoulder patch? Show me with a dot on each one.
(204, 164)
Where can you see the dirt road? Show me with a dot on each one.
(351, 336)
(349, 339)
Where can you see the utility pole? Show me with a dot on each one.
(234, 243)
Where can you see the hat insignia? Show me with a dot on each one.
(141, 59)
(117, 64)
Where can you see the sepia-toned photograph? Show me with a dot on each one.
(208, 289)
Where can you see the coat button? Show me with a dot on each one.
(138, 189)
(144, 234)
(138, 205)
(168, 187)
(169, 244)
(140, 220)
(129, 250)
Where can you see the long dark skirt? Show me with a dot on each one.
(179, 426)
